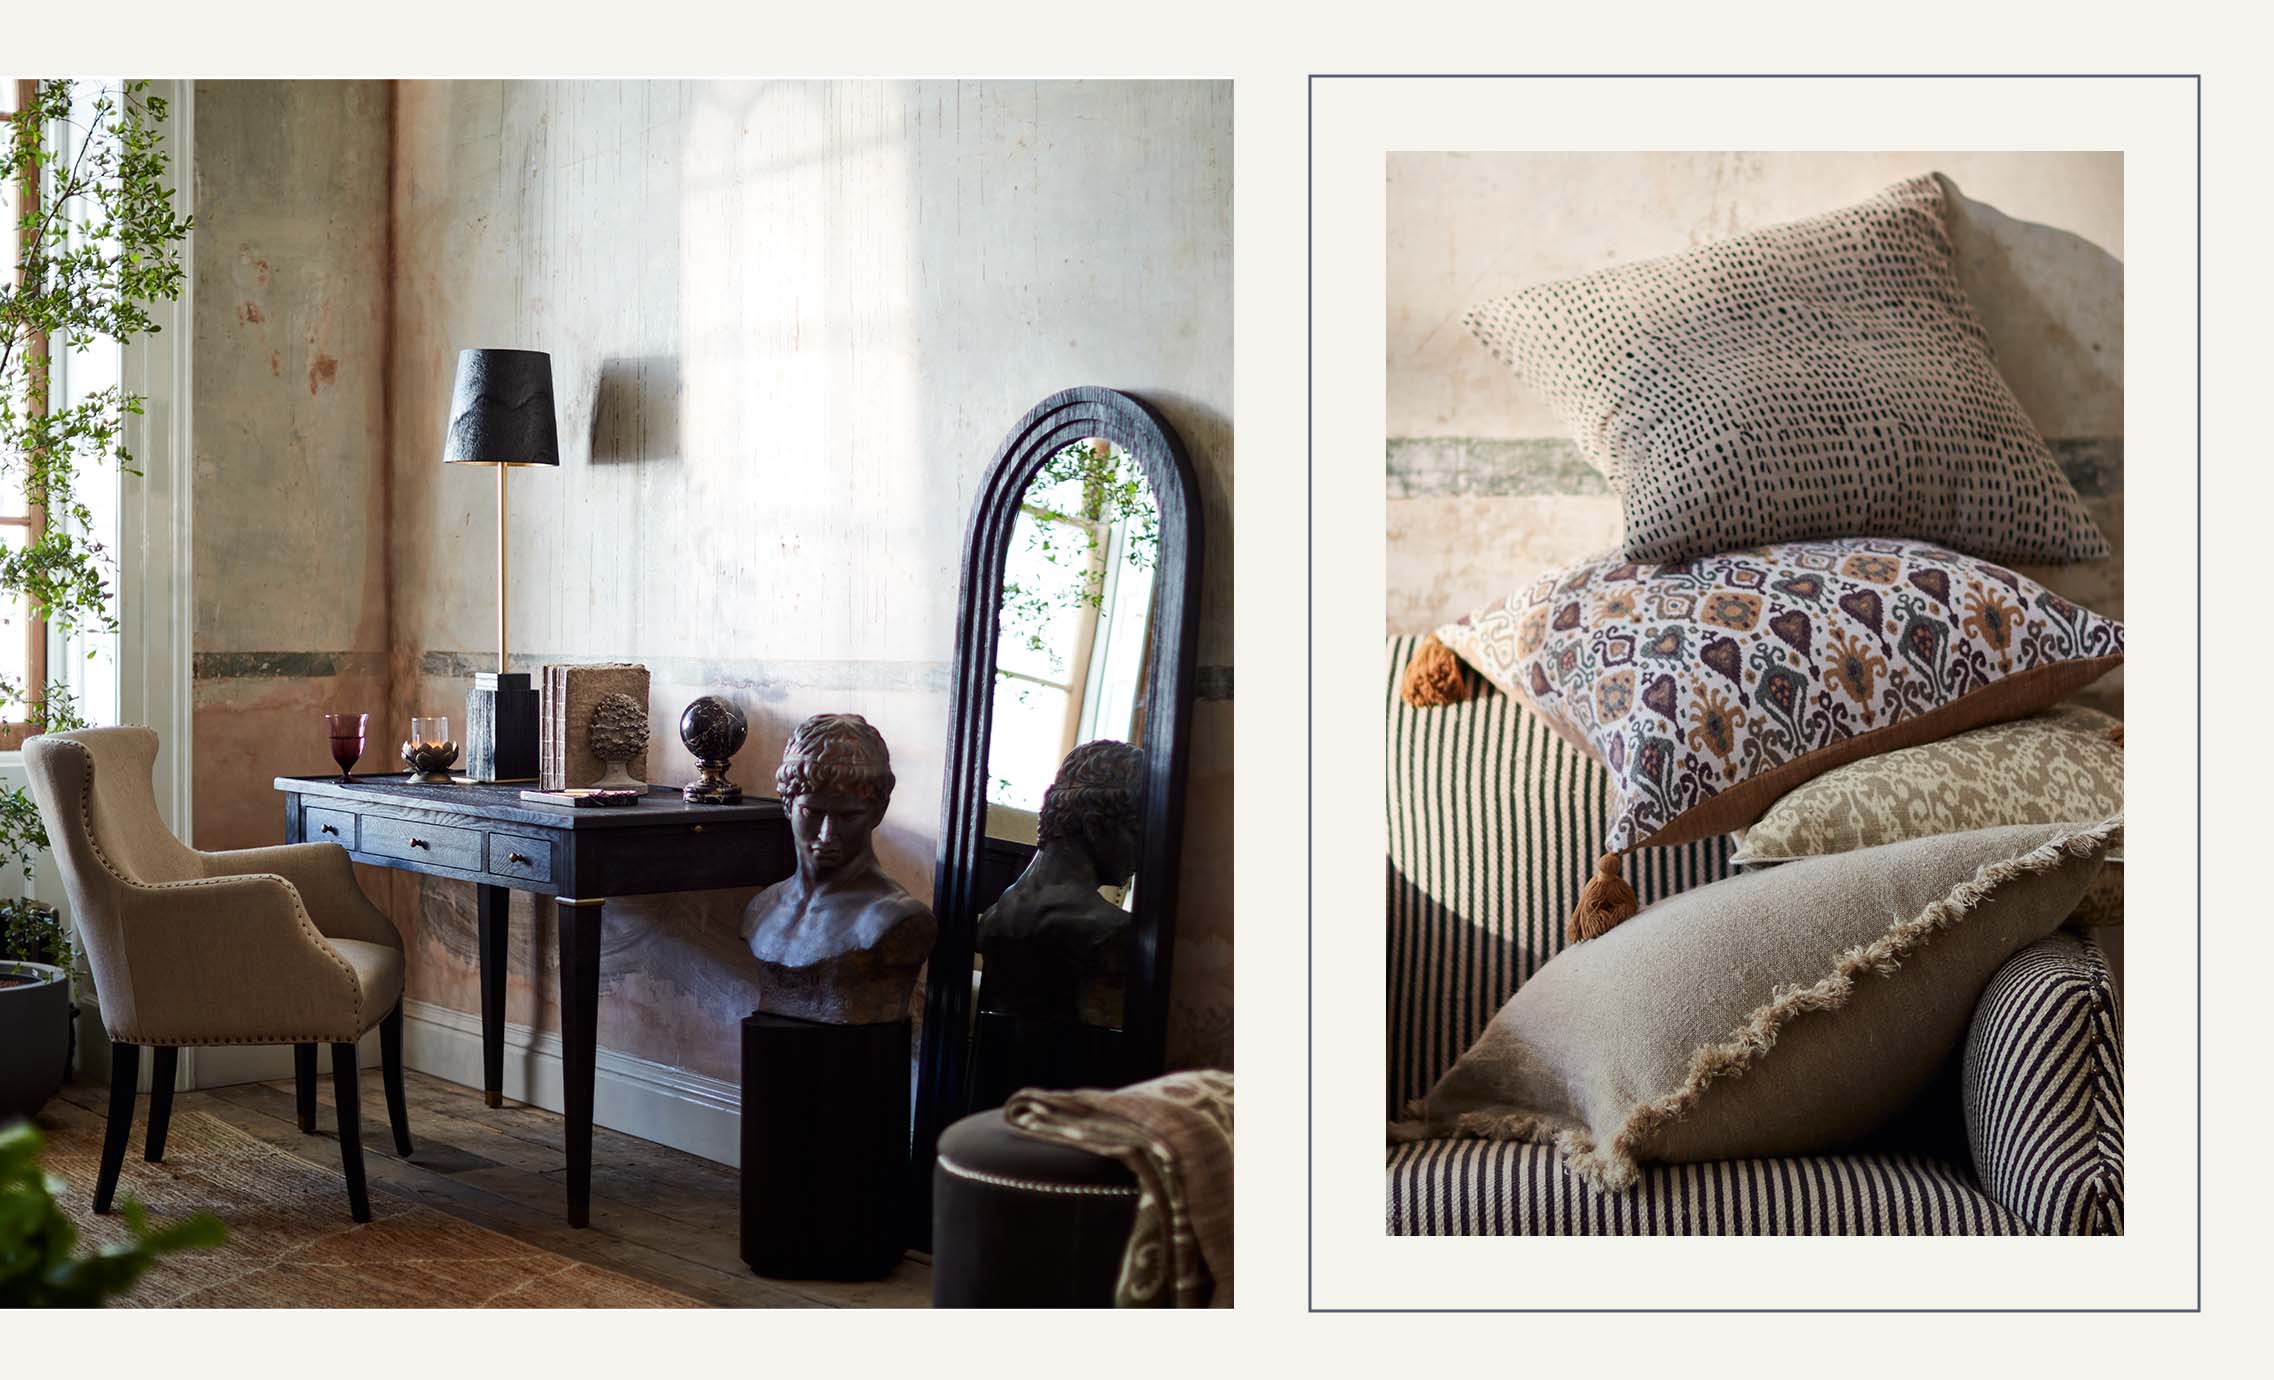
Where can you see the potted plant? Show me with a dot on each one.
(35, 1029)
(40, 1263)
(37, 1016)
(38, 1020)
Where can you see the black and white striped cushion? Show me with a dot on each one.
(1509, 1188)
(2045, 1089)
(1494, 825)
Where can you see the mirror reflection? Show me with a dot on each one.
(1072, 625)
(1065, 777)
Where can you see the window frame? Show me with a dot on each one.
(13, 729)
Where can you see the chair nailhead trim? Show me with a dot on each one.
(1036, 1185)
(292, 893)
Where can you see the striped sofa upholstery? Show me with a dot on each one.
(2044, 1089)
(1506, 1188)
(1494, 823)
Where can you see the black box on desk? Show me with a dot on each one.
(501, 727)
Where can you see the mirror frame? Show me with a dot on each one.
(1055, 423)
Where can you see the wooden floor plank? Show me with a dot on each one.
(473, 1203)
(658, 1214)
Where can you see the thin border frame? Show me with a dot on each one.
(1310, 653)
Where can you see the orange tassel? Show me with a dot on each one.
(2116, 735)
(1604, 903)
(1433, 677)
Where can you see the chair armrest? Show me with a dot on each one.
(325, 878)
(227, 960)
(2044, 1095)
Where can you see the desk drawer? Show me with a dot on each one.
(430, 843)
(319, 825)
(517, 855)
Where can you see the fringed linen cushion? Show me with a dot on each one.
(1776, 1013)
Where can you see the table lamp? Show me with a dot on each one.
(501, 414)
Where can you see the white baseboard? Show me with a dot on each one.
(217, 1066)
(639, 1097)
(203, 1066)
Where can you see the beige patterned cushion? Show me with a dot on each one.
(1814, 379)
(2064, 764)
(1776, 1013)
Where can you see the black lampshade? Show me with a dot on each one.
(501, 411)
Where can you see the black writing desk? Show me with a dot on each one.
(490, 836)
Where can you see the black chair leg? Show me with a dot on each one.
(391, 1073)
(351, 1130)
(162, 1061)
(304, 1085)
(126, 1067)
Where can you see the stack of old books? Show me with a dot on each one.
(564, 721)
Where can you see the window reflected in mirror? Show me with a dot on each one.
(1073, 625)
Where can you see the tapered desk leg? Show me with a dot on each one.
(492, 904)
(580, 1043)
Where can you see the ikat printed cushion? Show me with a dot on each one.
(1814, 379)
(2064, 764)
(1776, 1013)
(1713, 687)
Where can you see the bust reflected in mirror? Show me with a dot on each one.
(839, 941)
(1054, 946)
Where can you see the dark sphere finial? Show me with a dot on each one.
(714, 730)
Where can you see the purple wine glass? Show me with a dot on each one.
(347, 741)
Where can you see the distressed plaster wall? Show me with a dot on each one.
(1485, 488)
(789, 324)
(289, 429)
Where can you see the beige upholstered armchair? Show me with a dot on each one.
(264, 946)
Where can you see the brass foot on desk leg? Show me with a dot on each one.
(490, 1099)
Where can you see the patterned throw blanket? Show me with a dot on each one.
(1175, 1134)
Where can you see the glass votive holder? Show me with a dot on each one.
(429, 750)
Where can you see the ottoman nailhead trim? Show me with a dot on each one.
(1037, 1186)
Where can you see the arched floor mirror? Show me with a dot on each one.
(1062, 817)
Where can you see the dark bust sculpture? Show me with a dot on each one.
(1055, 948)
(839, 942)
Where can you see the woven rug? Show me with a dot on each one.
(292, 1245)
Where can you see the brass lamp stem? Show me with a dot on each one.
(501, 568)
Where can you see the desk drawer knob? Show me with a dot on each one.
(418, 843)
(332, 829)
(517, 858)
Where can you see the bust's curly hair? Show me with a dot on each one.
(835, 752)
(1099, 789)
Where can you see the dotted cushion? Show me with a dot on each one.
(1814, 379)
(1712, 687)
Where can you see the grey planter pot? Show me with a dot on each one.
(35, 1032)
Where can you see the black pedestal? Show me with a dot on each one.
(824, 1147)
(1013, 1052)
(501, 728)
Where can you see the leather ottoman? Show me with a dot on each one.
(1017, 1223)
